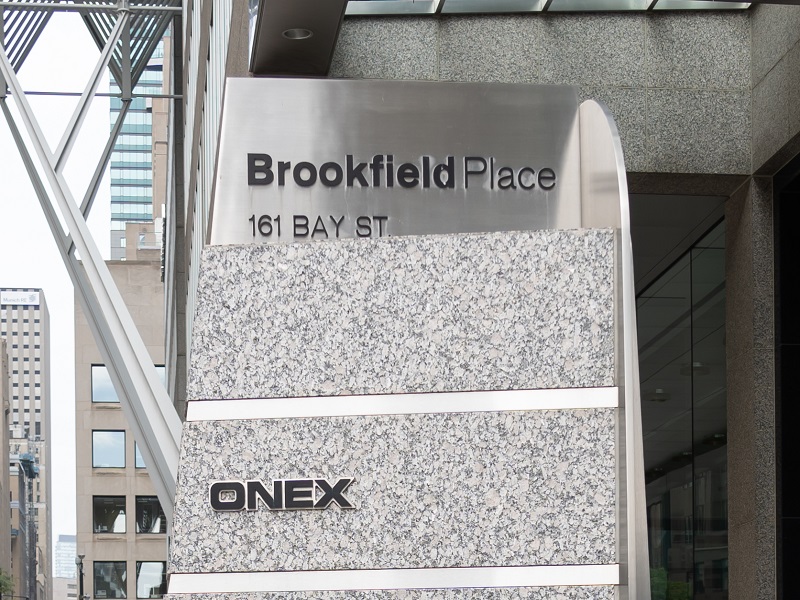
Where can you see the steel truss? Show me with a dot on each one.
(127, 34)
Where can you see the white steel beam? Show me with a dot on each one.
(71, 132)
(82, 7)
(143, 397)
(94, 184)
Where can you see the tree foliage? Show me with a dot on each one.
(6, 583)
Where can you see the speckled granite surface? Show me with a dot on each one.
(520, 310)
(542, 593)
(431, 490)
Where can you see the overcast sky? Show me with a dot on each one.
(62, 60)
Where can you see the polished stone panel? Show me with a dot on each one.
(775, 30)
(751, 392)
(430, 490)
(388, 48)
(504, 48)
(698, 50)
(771, 113)
(526, 310)
(694, 69)
(793, 72)
(542, 593)
(698, 131)
(594, 49)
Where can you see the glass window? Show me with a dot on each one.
(151, 579)
(102, 388)
(110, 579)
(109, 514)
(681, 326)
(149, 516)
(139, 458)
(108, 449)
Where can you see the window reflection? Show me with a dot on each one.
(108, 449)
(681, 320)
(138, 456)
(110, 579)
(108, 514)
(151, 579)
(102, 387)
(149, 516)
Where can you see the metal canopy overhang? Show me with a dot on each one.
(296, 37)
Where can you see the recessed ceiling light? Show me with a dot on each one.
(297, 34)
(696, 368)
(658, 395)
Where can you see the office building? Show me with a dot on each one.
(25, 325)
(136, 220)
(121, 530)
(64, 588)
(65, 582)
(65, 557)
(705, 105)
(22, 477)
(5, 481)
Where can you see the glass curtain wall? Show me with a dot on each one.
(132, 159)
(681, 322)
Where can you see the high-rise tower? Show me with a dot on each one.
(25, 325)
(132, 208)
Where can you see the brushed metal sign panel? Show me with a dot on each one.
(304, 159)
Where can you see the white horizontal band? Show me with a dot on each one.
(402, 404)
(394, 579)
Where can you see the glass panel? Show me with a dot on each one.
(108, 514)
(162, 373)
(597, 5)
(681, 322)
(700, 5)
(482, 6)
(139, 459)
(102, 388)
(108, 448)
(398, 7)
(151, 579)
(110, 580)
(664, 311)
(391, 7)
(149, 516)
(709, 417)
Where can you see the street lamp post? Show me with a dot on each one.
(79, 562)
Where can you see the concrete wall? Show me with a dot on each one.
(677, 83)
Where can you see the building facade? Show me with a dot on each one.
(5, 481)
(65, 566)
(705, 102)
(64, 588)
(121, 530)
(25, 325)
(136, 220)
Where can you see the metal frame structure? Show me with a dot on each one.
(127, 33)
